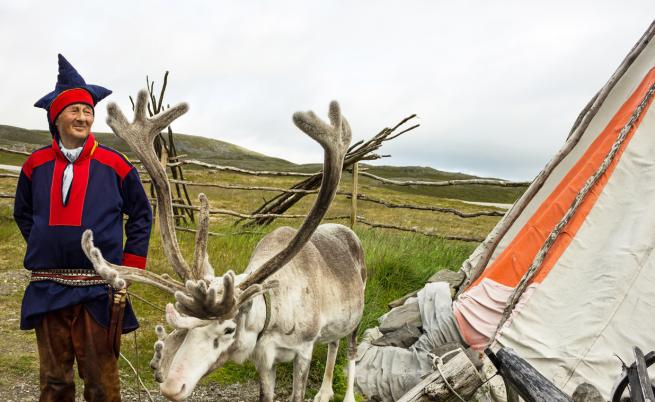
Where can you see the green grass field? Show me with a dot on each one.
(397, 262)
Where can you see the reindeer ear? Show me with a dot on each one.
(253, 291)
(245, 307)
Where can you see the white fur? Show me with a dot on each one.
(315, 301)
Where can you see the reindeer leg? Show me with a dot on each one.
(300, 373)
(325, 393)
(266, 370)
(352, 354)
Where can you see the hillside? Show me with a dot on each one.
(225, 153)
(196, 147)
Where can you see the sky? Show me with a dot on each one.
(496, 84)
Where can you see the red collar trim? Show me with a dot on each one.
(90, 146)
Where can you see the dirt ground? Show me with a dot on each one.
(248, 392)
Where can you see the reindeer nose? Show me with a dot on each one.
(173, 391)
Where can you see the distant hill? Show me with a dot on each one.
(225, 153)
(195, 147)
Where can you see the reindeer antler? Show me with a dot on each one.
(335, 139)
(208, 301)
(118, 275)
(205, 299)
(140, 135)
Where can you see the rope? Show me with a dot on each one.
(136, 352)
(138, 378)
(136, 296)
(437, 363)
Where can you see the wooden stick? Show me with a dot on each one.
(239, 233)
(462, 377)
(283, 202)
(239, 170)
(443, 183)
(5, 195)
(415, 230)
(579, 127)
(7, 175)
(239, 187)
(453, 211)
(360, 219)
(14, 151)
(353, 196)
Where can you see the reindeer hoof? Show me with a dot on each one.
(324, 395)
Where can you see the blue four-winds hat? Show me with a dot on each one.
(70, 88)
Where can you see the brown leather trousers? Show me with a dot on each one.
(71, 334)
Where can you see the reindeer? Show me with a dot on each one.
(300, 287)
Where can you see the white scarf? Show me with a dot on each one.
(67, 179)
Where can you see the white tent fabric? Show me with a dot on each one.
(597, 298)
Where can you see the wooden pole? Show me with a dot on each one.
(163, 159)
(462, 377)
(353, 199)
(530, 384)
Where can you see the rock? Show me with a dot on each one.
(454, 280)
(586, 392)
(403, 337)
(407, 315)
(402, 300)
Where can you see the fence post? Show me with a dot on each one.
(353, 198)
(163, 159)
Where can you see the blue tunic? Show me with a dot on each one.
(105, 187)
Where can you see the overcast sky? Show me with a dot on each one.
(497, 85)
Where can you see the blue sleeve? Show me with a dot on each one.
(23, 205)
(139, 221)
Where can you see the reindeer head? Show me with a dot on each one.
(206, 314)
(198, 345)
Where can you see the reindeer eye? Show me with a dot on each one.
(216, 343)
(229, 330)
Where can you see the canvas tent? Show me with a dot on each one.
(592, 295)
(567, 277)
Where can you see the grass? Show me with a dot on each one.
(397, 262)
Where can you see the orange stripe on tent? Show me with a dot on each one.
(514, 261)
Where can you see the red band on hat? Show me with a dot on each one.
(68, 97)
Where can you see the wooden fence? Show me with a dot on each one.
(355, 196)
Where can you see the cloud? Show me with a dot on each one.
(497, 85)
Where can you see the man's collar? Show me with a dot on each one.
(88, 148)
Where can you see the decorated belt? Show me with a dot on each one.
(70, 277)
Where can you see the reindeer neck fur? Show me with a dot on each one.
(301, 307)
(250, 321)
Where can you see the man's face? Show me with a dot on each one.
(74, 124)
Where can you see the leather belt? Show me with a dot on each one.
(70, 277)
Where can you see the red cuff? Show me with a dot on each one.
(132, 260)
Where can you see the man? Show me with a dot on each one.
(72, 185)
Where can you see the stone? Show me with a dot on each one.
(407, 315)
(454, 280)
(403, 337)
(586, 392)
